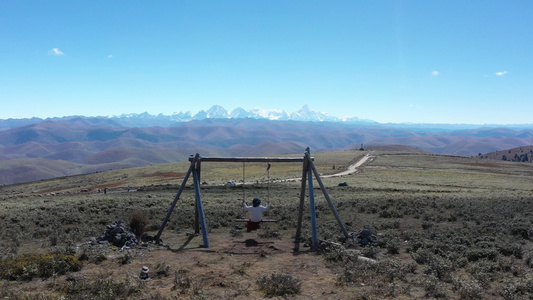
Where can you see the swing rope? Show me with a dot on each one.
(243, 183)
(268, 182)
(244, 192)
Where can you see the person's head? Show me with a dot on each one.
(256, 202)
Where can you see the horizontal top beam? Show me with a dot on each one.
(250, 159)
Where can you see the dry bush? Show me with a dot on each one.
(279, 285)
(468, 288)
(138, 224)
(101, 288)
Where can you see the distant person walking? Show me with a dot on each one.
(256, 213)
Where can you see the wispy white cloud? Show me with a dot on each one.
(435, 73)
(55, 51)
(501, 73)
(110, 56)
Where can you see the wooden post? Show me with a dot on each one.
(312, 206)
(331, 205)
(182, 186)
(196, 214)
(302, 202)
(200, 208)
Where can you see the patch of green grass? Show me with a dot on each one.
(28, 267)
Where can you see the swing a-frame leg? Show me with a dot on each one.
(199, 207)
(309, 169)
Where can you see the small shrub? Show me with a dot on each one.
(511, 291)
(103, 288)
(94, 255)
(235, 232)
(483, 270)
(138, 224)
(439, 267)
(468, 289)
(355, 271)
(182, 281)
(268, 234)
(477, 254)
(125, 259)
(434, 288)
(162, 270)
(510, 248)
(241, 269)
(370, 252)
(422, 256)
(279, 285)
(393, 269)
(426, 225)
(393, 247)
(528, 258)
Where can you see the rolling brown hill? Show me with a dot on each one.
(519, 154)
(395, 148)
(79, 145)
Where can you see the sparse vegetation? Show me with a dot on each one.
(446, 227)
(279, 285)
(27, 267)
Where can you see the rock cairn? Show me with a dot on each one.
(144, 273)
(118, 234)
(365, 237)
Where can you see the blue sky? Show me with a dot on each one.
(388, 61)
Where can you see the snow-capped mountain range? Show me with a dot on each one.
(304, 113)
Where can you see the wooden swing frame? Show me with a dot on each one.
(307, 176)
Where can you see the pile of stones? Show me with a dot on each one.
(118, 234)
(365, 237)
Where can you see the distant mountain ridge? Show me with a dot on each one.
(38, 149)
(145, 119)
(303, 114)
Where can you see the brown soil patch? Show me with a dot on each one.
(486, 165)
(229, 269)
(166, 175)
(103, 186)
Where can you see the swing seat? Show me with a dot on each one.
(246, 220)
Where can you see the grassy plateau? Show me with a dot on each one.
(446, 227)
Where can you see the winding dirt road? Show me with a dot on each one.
(352, 168)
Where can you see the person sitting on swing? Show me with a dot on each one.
(256, 213)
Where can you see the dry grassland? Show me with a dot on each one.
(446, 227)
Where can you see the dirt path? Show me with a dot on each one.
(352, 168)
